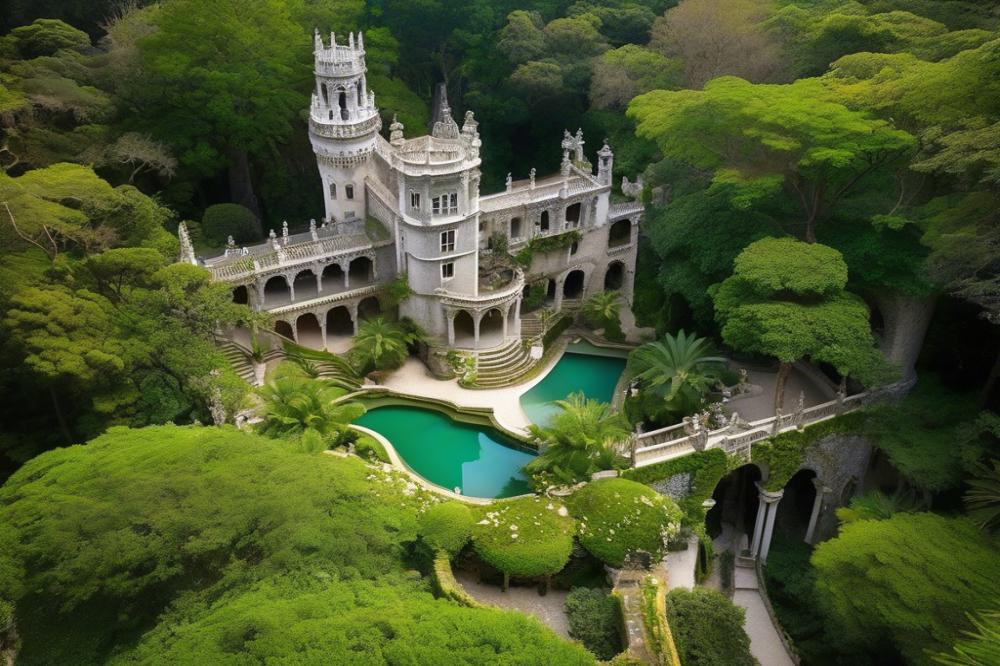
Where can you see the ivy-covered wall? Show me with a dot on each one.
(783, 455)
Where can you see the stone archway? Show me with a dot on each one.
(735, 509)
(491, 329)
(573, 285)
(309, 332)
(282, 327)
(796, 506)
(620, 233)
(277, 291)
(369, 308)
(614, 277)
(361, 272)
(241, 295)
(333, 278)
(305, 285)
(465, 330)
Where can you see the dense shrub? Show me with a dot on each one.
(446, 526)
(368, 447)
(532, 536)
(557, 329)
(185, 545)
(617, 517)
(536, 296)
(708, 629)
(595, 620)
(223, 220)
(707, 469)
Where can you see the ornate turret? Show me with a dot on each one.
(343, 124)
(605, 162)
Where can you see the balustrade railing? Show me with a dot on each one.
(737, 438)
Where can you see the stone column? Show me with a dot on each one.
(291, 288)
(319, 280)
(322, 329)
(821, 492)
(504, 316)
(295, 329)
(517, 317)
(560, 283)
(475, 328)
(451, 328)
(353, 311)
(347, 275)
(758, 528)
(772, 500)
(263, 294)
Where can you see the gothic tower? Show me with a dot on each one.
(343, 125)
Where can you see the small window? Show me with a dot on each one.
(333, 190)
(415, 200)
(446, 204)
(349, 191)
(448, 270)
(573, 248)
(448, 241)
(543, 224)
(515, 227)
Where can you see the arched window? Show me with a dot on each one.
(333, 190)
(349, 191)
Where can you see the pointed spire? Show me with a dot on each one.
(361, 41)
(444, 126)
(350, 40)
(333, 40)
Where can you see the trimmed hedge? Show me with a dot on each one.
(531, 536)
(785, 453)
(708, 629)
(446, 585)
(595, 619)
(446, 526)
(617, 517)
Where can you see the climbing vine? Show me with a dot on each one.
(543, 244)
(785, 453)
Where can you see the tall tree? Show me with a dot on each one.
(224, 81)
(786, 299)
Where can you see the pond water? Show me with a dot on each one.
(479, 460)
(582, 368)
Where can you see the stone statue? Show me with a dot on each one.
(284, 232)
(531, 178)
(510, 182)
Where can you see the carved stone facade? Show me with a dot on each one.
(412, 207)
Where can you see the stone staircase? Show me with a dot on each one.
(503, 366)
(531, 326)
(240, 361)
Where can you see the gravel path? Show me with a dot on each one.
(548, 609)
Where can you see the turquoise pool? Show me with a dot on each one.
(582, 368)
(478, 459)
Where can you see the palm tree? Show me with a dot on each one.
(381, 345)
(602, 310)
(584, 437)
(295, 405)
(983, 497)
(678, 370)
(979, 647)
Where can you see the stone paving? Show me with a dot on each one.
(550, 609)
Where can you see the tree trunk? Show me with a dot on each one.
(59, 415)
(506, 581)
(543, 587)
(906, 319)
(779, 384)
(241, 183)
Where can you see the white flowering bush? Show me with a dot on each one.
(531, 536)
(616, 517)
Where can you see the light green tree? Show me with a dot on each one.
(909, 579)
(381, 344)
(299, 406)
(603, 310)
(786, 299)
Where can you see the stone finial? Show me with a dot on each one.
(510, 182)
(565, 167)
(396, 137)
(361, 41)
(317, 40)
(312, 230)
(578, 144)
(531, 178)
(284, 232)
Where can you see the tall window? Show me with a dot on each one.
(448, 241)
(448, 270)
(333, 190)
(349, 190)
(415, 200)
(446, 204)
